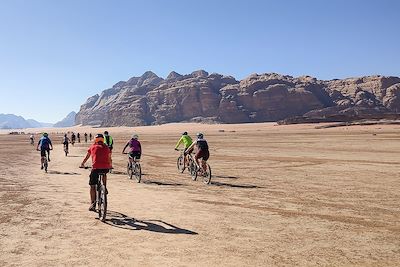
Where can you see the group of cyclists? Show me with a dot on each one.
(101, 150)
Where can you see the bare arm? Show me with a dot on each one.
(125, 147)
(191, 146)
(86, 158)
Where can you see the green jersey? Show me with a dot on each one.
(186, 140)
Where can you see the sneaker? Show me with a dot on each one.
(41, 167)
(92, 207)
(49, 159)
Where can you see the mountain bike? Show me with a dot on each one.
(32, 142)
(44, 160)
(133, 168)
(196, 170)
(180, 162)
(101, 196)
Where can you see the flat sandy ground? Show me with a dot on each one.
(280, 196)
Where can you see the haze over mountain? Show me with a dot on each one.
(11, 121)
(205, 97)
(68, 121)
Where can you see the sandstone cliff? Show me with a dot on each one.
(201, 96)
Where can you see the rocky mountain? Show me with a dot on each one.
(201, 96)
(68, 121)
(11, 121)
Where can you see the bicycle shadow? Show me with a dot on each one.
(63, 173)
(149, 182)
(250, 186)
(120, 220)
(226, 177)
(123, 173)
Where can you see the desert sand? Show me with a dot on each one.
(280, 196)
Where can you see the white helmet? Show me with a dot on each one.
(135, 136)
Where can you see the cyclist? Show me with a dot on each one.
(32, 138)
(202, 150)
(135, 148)
(73, 138)
(101, 157)
(186, 140)
(78, 135)
(66, 141)
(108, 140)
(85, 137)
(45, 146)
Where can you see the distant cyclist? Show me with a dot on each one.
(90, 137)
(45, 146)
(108, 140)
(66, 141)
(135, 148)
(202, 150)
(78, 135)
(85, 137)
(32, 138)
(101, 157)
(186, 140)
(73, 138)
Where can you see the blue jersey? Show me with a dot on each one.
(44, 143)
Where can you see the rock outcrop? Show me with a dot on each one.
(68, 121)
(201, 96)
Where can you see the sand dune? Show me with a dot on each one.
(280, 196)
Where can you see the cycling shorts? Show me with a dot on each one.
(135, 154)
(94, 175)
(203, 153)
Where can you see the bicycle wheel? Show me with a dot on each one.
(102, 203)
(138, 172)
(193, 170)
(207, 175)
(129, 171)
(45, 164)
(180, 163)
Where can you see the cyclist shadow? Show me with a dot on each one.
(63, 173)
(248, 186)
(119, 220)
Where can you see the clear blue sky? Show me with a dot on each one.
(55, 54)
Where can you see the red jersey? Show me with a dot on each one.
(100, 156)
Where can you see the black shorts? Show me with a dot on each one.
(43, 152)
(94, 176)
(135, 154)
(204, 154)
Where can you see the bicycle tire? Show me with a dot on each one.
(180, 164)
(193, 170)
(129, 171)
(102, 203)
(207, 175)
(138, 173)
(46, 165)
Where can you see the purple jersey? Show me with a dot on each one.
(134, 146)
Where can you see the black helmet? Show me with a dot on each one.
(184, 133)
(200, 135)
(106, 132)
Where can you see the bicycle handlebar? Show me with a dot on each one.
(85, 167)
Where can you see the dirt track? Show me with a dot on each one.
(280, 196)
